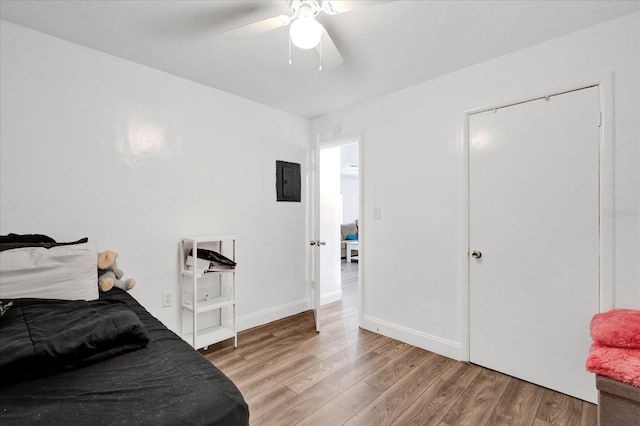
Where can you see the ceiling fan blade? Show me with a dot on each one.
(329, 53)
(333, 7)
(258, 27)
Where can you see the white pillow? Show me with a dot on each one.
(63, 272)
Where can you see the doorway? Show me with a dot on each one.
(534, 238)
(350, 223)
(339, 212)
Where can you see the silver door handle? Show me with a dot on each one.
(322, 243)
(317, 243)
(476, 254)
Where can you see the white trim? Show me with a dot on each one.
(465, 303)
(266, 316)
(362, 235)
(413, 337)
(607, 224)
(607, 193)
(340, 140)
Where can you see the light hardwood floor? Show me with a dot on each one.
(291, 375)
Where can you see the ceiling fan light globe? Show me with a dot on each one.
(305, 32)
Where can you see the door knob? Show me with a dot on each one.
(322, 243)
(476, 254)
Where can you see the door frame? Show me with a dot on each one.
(318, 144)
(605, 86)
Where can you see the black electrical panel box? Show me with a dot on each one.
(288, 181)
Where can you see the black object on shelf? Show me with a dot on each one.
(217, 260)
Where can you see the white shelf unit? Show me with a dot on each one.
(224, 279)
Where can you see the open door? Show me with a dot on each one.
(315, 232)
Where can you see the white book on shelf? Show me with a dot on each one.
(201, 265)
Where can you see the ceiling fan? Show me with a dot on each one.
(305, 32)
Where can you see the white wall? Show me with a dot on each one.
(413, 166)
(92, 145)
(349, 182)
(349, 187)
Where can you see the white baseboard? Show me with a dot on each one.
(422, 340)
(331, 297)
(255, 319)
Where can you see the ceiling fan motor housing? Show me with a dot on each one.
(309, 8)
(305, 8)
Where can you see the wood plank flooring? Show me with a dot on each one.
(291, 375)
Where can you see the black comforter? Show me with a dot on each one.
(43, 336)
(164, 383)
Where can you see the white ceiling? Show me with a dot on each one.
(385, 47)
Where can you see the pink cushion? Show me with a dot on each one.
(618, 327)
(617, 363)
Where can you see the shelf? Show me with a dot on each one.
(220, 307)
(211, 304)
(209, 238)
(209, 336)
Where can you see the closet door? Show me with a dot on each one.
(534, 228)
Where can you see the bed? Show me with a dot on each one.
(149, 376)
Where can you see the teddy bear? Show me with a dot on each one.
(109, 275)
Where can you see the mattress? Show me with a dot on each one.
(164, 383)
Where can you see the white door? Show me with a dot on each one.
(315, 233)
(326, 225)
(330, 220)
(534, 222)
